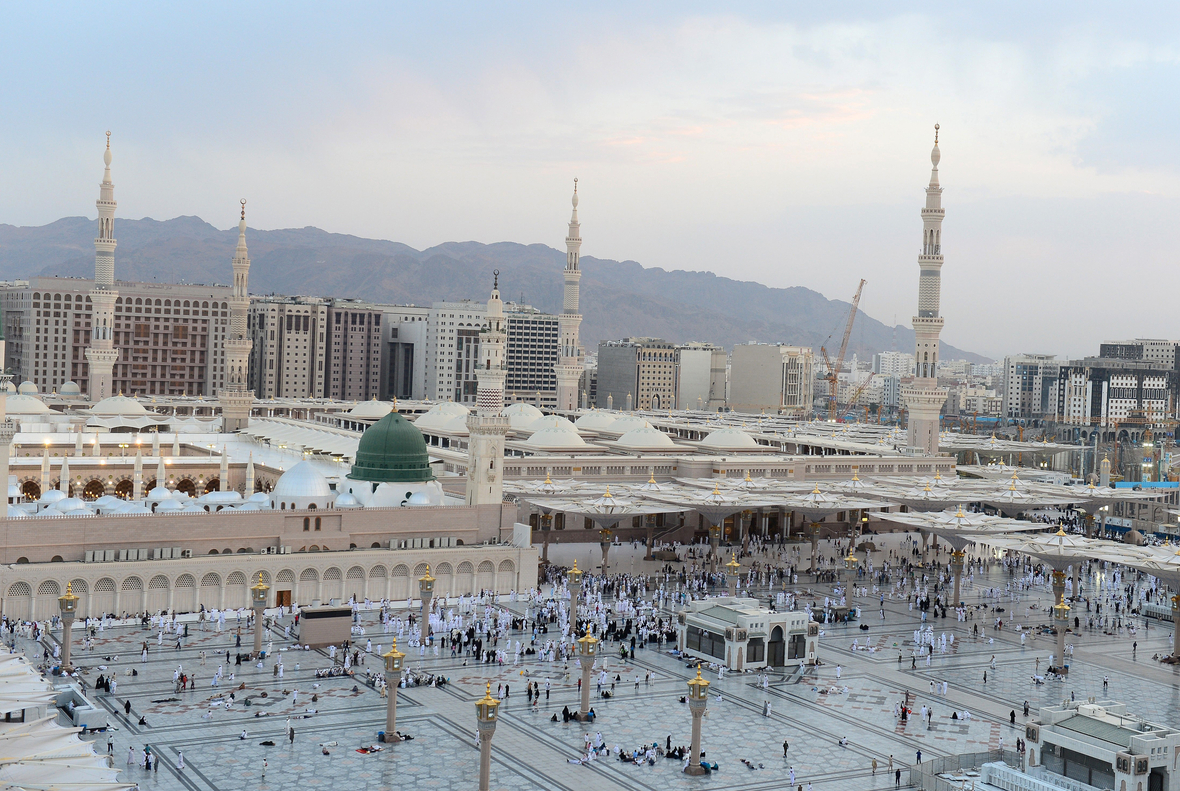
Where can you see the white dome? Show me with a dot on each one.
(627, 422)
(159, 493)
(70, 505)
(419, 498)
(259, 497)
(371, 409)
(169, 505)
(219, 498)
(27, 388)
(52, 496)
(70, 389)
(9, 387)
(133, 509)
(595, 420)
(118, 406)
(347, 500)
(108, 502)
(25, 405)
(439, 415)
(191, 508)
(522, 416)
(456, 424)
(549, 421)
(729, 439)
(555, 437)
(302, 480)
(646, 438)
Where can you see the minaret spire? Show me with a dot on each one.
(101, 354)
(924, 398)
(487, 425)
(235, 398)
(572, 361)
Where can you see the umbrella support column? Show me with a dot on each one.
(957, 568)
(814, 530)
(1060, 618)
(925, 543)
(1175, 625)
(714, 546)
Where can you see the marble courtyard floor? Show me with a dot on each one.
(531, 752)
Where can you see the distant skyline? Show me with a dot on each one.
(787, 145)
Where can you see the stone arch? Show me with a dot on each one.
(93, 489)
(444, 577)
(157, 593)
(103, 600)
(49, 588)
(187, 486)
(399, 582)
(485, 576)
(210, 595)
(309, 585)
(46, 604)
(465, 579)
(125, 488)
(237, 592)
(184, 595)
(505, 576)
(333, 583)
(18, 603)
(31, 490)
(355, 583)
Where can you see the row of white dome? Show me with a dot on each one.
(553, 431)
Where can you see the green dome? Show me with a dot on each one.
(392, 450)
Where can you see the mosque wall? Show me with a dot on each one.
(223, 581)
(68, 538)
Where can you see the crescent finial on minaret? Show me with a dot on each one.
(109, 139)
(243, 208)
(936, 134)
(496, 279)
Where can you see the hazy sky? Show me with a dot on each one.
(772, 142)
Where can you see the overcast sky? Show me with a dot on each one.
(773, 142)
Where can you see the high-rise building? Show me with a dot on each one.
(899, 364)
(572, 360)
(923, 397)
(235, 396)
(486, 424)
(354, 351)
(772, 377)
(533, 356)
(166, 337)
(1102, 391)
(101, 354)
(701, 376)
(403, 330)
(452, 343)
(1151, 350)
(1030, 386)
(637, 373)
(289, 346)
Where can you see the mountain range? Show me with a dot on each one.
(618, 298)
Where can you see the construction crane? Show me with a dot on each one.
(856, 394)
(833, 376)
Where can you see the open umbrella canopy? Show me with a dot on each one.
(1060, 550)
(817, 504)
(605, 510)
(960, 528)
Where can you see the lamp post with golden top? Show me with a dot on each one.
(587, 651)
(732, 567)
(426, 591)
(698, 699)
(485, 713)
(258, 593)
(68, 604)
(574, 578)
(393, 675)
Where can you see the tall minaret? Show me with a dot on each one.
(102, 354)
(571, 365)
(923, 397)
(236, 399)
(487, 425)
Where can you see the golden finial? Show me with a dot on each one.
(575, 564)
(69, 588)
(716, 491)
(547, 477)
(608, 494)
(108, 138)
(1060, 532)
(651, 477)
(816, 489)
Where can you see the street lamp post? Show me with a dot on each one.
(850, 576)
(393, 677)
(714, 546)
(604, 538)
(574, 577)
(1060, 617)
(957, 557)
(698, 699)
(587, 650)
(258, 593)
(68, 603)
(426, 591)
(733, 566)
(485, 713)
